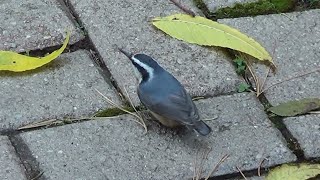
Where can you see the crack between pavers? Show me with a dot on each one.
(292, 142)
(28, 161)
(87, 44)
(298, 6)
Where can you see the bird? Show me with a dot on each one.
(164, 96)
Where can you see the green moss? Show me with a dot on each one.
(256, 8)
(116, 111)
(112, 112)
(202, 6)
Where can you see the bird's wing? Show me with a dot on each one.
(178, 107)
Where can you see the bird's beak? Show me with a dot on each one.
(129, 55)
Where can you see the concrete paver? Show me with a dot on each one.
(204, 71)
(33, 24)
(10, 165)
(307, 131)
(295, 40)
(214, 5)
(63, 88)
(117, 148)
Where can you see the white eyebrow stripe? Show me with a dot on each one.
(149, 69)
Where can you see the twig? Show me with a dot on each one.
(132, 105)
(217, 166)
(241, 173)
(288, 79)
(259, 168)
(183, 8)
(112, 103)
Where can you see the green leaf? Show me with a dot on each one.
(294, 172)
(293, 108)
(202, 31)
(243, 87)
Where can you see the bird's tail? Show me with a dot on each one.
(202, 128)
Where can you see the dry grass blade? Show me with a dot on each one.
(241, 173)
(39, 124)
(210, 119)
(122, 109)
(314, 112)
(37, 176)
(294, 77)
(198, 171)
(132, 105)
(52, 122)
(255, 78)
(217, 166)
(259, 169)
(197, 98)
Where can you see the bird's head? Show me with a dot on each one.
(145, 64)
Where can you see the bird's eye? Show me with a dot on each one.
(13, 62)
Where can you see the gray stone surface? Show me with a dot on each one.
(117, 148)
(10, 165)
(63, 88)
(214, 5)
(33, 24)
(293, 40)
(306, 129)
(204, 71)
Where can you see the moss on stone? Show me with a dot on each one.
(256, 8)
(112, 112)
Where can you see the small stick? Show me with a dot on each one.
(183, 8)
(241, 173)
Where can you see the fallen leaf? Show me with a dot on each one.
(202, 31)
(293, 108)
(294, 172)
(12, 61)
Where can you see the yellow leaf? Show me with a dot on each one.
(294, 172)
(12, 61)
(202, 31)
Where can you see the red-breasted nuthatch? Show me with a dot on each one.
(164, 95)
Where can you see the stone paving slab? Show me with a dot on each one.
(203, 71)
(306, 129)
(295, 40)
(33, 24)
(63, 88)
(117, 148)
(214, 5)
(10, 165)
(252, 178)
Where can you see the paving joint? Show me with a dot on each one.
(204, 9)
(87, 44)
(292, 142)
(241, 9)
(29, 162)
